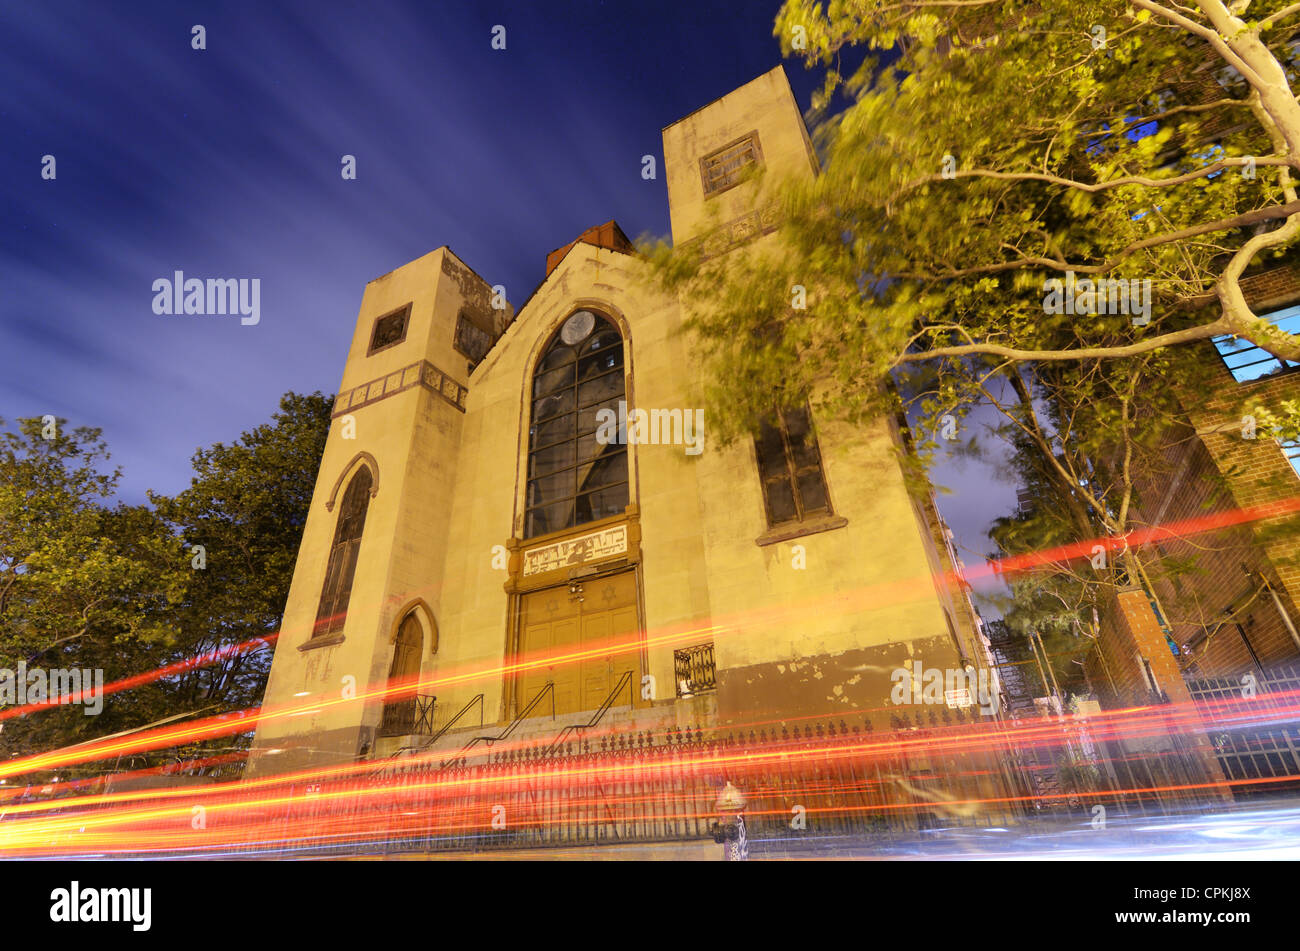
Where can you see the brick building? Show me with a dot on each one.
(1230, 488)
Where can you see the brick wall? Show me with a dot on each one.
(1194, 601)
(1130, 628)
(1208, 468)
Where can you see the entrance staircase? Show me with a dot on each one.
(539, 729)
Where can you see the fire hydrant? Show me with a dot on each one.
(731, 835)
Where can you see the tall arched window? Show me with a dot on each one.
(573, 477)
(343, 556)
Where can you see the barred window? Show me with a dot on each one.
(722, 169)
(343, 556)
(1247, 362)
(390, 330)
(573, 477)
(790, 465)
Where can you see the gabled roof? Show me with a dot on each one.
(609, 235)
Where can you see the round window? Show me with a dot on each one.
(578, 327)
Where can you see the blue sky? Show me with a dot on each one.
(224, 162)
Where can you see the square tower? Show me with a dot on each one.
(375, 538)
(709, 153)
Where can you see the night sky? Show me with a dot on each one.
(225, 162)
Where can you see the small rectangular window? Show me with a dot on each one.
(722, 169)
(389, 330)
(789, 465)
(1247, 362)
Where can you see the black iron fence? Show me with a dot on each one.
(936, 769)
(814, 780)
(1256, 759)
(1149, 767)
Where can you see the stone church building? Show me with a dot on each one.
(478, 537)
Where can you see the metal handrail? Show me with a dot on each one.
(600, 713)
(445, 727)
(514, 724)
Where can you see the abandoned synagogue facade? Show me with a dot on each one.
(470, 530)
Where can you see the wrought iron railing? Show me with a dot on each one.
(624, 681)
(443, 728)
(1257, 758)
(525, 713)
(807, 785)
(693, 669)
(644, 787)
(410, 716)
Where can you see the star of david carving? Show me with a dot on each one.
(608, 594)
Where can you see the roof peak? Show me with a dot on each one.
(608, 235)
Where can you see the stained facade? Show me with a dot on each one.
(476, 535)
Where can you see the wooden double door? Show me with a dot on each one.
(582, 637)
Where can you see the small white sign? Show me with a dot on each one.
(958, 698)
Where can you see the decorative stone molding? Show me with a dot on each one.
(738, 231)
(365, 459)
(423, 374)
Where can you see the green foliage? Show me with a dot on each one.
(246, 505)
(88, 584)
(977, 151)
(82, 584)
(899, 260)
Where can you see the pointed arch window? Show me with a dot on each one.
(343, 556)
(573, 477)
(400, 705)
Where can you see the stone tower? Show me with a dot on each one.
(397, 426)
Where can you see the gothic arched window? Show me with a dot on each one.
(574, 477)
(343, 556)
(402, 709)
(407, 647)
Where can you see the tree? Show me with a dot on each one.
(124, 589)
(988, 148)
(82, 585)
(246, 507)
(983, 163)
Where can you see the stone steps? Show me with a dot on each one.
(543, 730)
